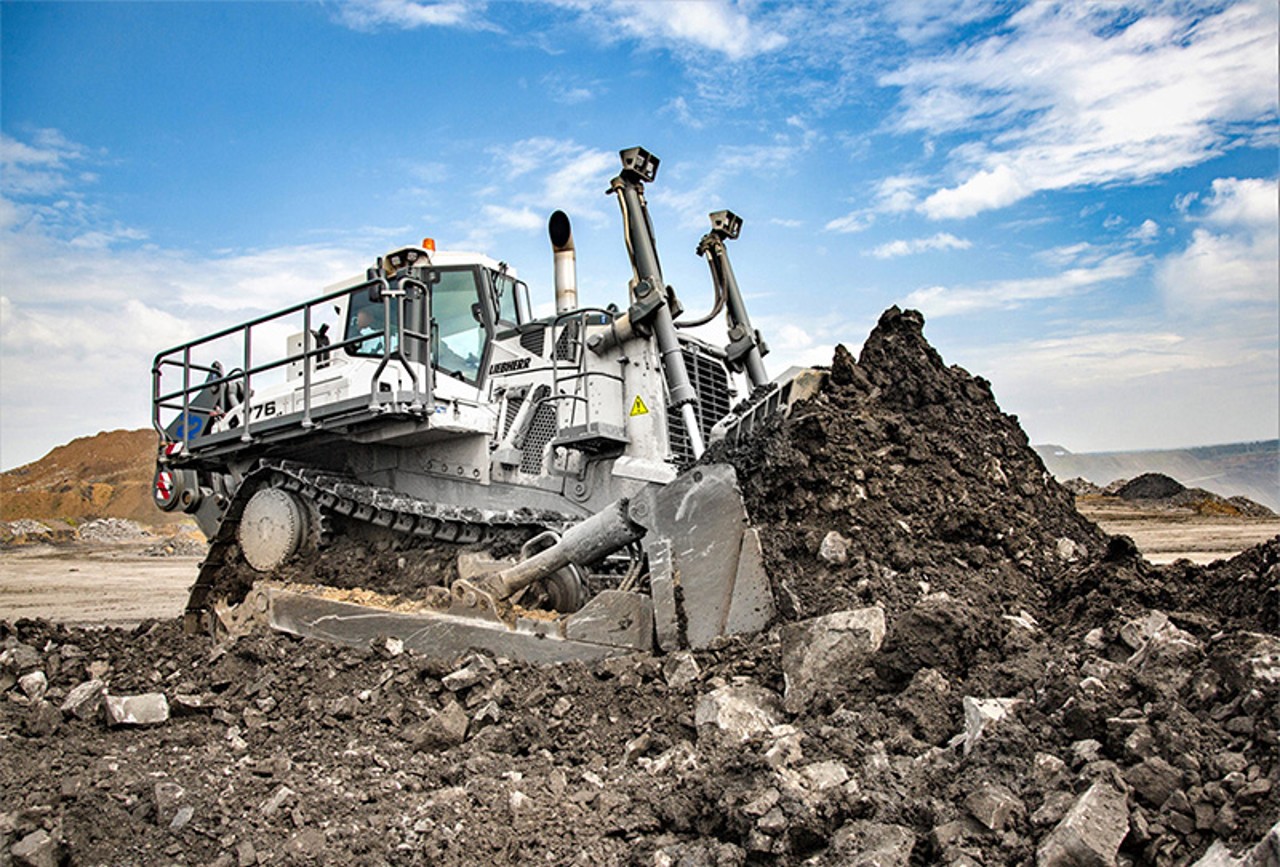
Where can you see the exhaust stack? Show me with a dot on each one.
(566, 263)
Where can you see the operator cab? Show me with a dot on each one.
(471, 297)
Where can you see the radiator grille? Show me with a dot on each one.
(567, 342)
(542, 427)
(710, 380)
(514, 402)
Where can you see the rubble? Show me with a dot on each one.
(1091, 833)
(137, 710)
(998, 704)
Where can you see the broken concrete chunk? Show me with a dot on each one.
(994, 806)
(478, 668)
(834, 549)
(1136, 632)
(84, 700)
(821, 776)
(1091, 833)
(680, 669)
(980, 714)
(447, 728)
(819, 652)
(34, 685)
(1262, 661)
(37, 849)
(279, 798)
(738, 712)
(20, 659)
(148, 709)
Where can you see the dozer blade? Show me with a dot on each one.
(610, 624)
(706, 578)
(705, 564)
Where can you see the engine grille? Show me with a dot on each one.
(710, 380)
(542, 427)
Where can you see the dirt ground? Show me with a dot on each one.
(113, 585)
(1164, 536)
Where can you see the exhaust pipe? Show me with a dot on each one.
(566, 264)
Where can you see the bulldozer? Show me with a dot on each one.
(428, 462)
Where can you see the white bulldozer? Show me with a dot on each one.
(413, 455)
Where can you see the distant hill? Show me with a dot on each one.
(1239, 470)
(103, 476)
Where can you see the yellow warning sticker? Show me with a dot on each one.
(638, 407)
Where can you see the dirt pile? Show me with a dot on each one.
(965, 671)
(102, 476)
(1155, 489)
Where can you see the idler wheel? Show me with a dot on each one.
(565, 590)
(272, 528)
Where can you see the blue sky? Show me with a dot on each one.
(1080, 197)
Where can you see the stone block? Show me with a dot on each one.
(834, 549)
(738, 712)
(84, 700)
(445, 729)
(823, 650)
(994, 806)
(680, 669)
(42, 720)
(37, 849)
(1091, 833)
(148, 709)
(873, 844)
(981, 714)
(34, 685)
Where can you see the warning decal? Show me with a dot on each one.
(638, 407)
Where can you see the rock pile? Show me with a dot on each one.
(111, 530)
(964, 672)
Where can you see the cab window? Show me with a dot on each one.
(365, 319)
(458, 332)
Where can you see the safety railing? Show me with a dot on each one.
(185, 414)
(575, 375)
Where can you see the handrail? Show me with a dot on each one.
(180, 357)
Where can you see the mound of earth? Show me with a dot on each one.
(104, 476)
(1150, 486)
(964, 671)
(1161, 490)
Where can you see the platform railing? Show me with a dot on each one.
(184, 414)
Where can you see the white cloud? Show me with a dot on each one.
(854, 221)
(940, 241)
(1232, 259)
(982, 191)
(1006, 294)
(369, 15)
(715, 25)
(40, 168)
(500, 216)
(1146, 233)
(549, 174)
(1098, 97)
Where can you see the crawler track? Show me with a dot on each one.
(337, 497)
